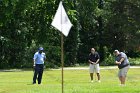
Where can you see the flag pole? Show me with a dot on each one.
(62, 61)
(62, 53)
(63, 24)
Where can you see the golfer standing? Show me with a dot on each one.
(38, 63)
(94, 64)
(123, 64)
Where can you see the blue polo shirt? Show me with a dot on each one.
(125, 62)
(39, 58)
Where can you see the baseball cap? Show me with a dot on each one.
(116, 51)
(40, 48)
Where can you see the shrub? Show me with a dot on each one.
(109, 60)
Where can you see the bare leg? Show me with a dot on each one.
(91, 76)
(122, 79)
(98, 75)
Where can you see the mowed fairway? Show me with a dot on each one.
(75, 81)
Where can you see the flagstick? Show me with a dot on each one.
(62, 61)
(58, 23)
(62, 54)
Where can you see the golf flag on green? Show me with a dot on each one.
(61, 20)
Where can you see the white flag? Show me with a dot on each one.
(61, 20)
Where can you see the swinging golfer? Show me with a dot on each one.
(123, 64)
(94, 64)
(38, 63)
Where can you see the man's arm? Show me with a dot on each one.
(98, 56)
(122, 59)
(89, 59)
(33, 62)
(97, 61)
(34, 59)
(44, 56)
(91, 62)
(119, 62)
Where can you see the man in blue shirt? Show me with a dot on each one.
(38, 60)
(123, 64)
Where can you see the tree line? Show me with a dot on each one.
(104, 24)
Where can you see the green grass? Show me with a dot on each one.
(75, 81)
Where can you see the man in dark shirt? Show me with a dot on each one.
(94, 64)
